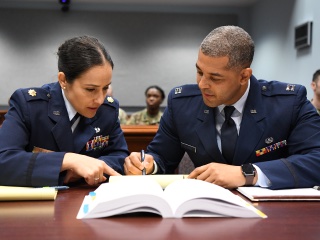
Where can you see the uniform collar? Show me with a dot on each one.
(239, 105)
(71, 111)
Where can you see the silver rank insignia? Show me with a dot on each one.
(32, 92)
(110, 99)
(97, 129)
(290, 87)
(178, 90)
(253, 111)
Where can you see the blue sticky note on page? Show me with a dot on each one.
(86, 208)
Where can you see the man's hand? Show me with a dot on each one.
(134, 166)
(227, 176)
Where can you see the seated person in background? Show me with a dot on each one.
(41, 146)
(271, 139)
(123, 117)
(152, 114)
(315, 85)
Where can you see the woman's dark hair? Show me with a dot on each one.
(78, 54)
(163, 96)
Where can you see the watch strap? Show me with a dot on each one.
(249, 172)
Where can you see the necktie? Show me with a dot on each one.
(229, 135)
(73, 120)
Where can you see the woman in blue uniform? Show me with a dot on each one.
(65, 131)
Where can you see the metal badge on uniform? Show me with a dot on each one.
(178, 90)
(253, 111)
(97, 143)
(57, 113)
(271, 148)
(268, 140)
(290, 87)
(206, 111)
(97, 129)
(110, 99)
(32, 92)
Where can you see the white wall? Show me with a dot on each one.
(147, 48)
(154, 47)
(272, 28)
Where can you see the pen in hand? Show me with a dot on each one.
(142, 160)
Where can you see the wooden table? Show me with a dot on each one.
(57, 220)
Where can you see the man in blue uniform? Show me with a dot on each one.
(270, 138)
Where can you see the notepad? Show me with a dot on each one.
(264, 194)
(181, 198)
(10, 193)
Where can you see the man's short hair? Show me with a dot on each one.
(316, 75)
(230, 41)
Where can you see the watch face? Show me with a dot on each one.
(247, 169)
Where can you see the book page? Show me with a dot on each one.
(127, 196)
(10, 193)
(191, 197)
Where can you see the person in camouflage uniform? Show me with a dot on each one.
(151, 115)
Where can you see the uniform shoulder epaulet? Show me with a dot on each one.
(32, 94)
(186, 91)
(111, 102)
(270, 88)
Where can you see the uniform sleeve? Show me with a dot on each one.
(18, 166)
(166, 147)
(302, 166)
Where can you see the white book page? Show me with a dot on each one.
(205, 199)
(138, 195)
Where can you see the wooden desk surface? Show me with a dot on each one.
(57, 220)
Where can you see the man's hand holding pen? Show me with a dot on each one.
(133, 164)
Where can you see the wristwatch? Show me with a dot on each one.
(249, 172)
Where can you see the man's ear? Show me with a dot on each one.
(245, 75)
(313, 85)
(62, 80)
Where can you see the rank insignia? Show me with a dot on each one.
(97, 142)
(290, 87)
(253, 111)
(206, 111)
(178, 90)
(110, 99)
(271, 148)
(32, 92)
(97, 129)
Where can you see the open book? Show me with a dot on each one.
(10, 193)
(264, 194)
(181, 198)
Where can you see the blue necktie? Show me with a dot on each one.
(74, 119)
(229, 135)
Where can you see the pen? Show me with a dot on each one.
(316, 187)
(58, 187)
(142, 159)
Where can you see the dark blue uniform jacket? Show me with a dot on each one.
(279, 132)
(37, 117)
